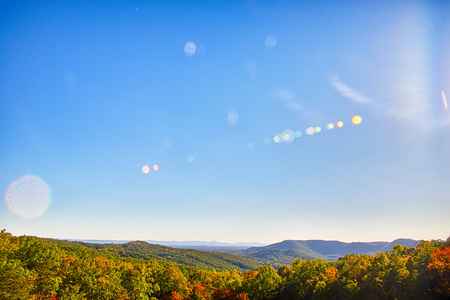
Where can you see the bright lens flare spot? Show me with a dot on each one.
(145, 169)
(444, 100)
(278, 138)
(330, 126)
(356, 120)
(310, 131)
(340, 124)
(288, 136)
(318, 129)
(28, 197)
(155, 167)
(298, 134)
(189, 49)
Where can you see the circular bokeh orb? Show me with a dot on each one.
(189, 49)
(340, 124)
(330, 126)
(28, 197)
(190, 159)
(278, 139)
(288, 136)
(233, 118)
(145, 169)
(155, 167)
(310, 131)
(356, 120)
(270, 41)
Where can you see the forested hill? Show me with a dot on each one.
(32, 268)
(276, 255)
(187, 257)
(328, 250)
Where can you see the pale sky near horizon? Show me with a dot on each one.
(233, 103)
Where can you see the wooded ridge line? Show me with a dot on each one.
(38, 268)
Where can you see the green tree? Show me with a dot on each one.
(138, 281)
(170, 279)
(43, 261)
(15, 280)
(262, 283)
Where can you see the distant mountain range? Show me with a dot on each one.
(243, 255)
(179, 244)
(285, 252)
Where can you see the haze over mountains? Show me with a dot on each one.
(178, 244)
(278, 254)
(288, 250)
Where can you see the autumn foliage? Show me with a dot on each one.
(33, 269)
(440, 263)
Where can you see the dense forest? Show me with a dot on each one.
(33, 268)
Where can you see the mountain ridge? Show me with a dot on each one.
(176, 244)
(277, 254)
(328, 250)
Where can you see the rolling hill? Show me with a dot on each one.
(187, 257)
(228, 258)
(328, 250)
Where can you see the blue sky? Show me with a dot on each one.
(92, 92)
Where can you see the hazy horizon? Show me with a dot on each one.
(197, 242)
(229, 121)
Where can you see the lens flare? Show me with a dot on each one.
(310, 131)
(189, 49)
(444, 100)
(233, 118)
(267, 141)
(167, 143)
(155, 167)
(278, 138)
(356, 120)
(190, 159)
(270, 41)
(288, 136)
(145, 169)
(28, 197)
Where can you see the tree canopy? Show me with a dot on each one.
(32, 268)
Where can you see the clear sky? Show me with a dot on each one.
(219, 95)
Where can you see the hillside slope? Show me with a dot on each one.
(329, 250)
(188, 257)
